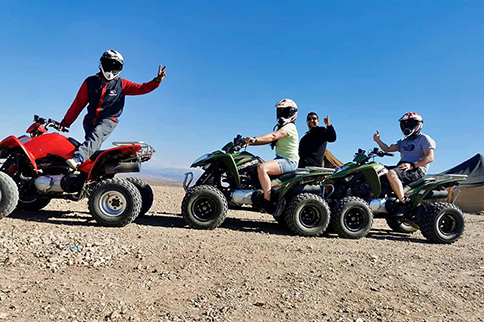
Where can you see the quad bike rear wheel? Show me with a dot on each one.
(307, 215)
(443, 223)
(352, 218)
(400, 225)
(146, 194)
(8, 195)
(34, 204)
(204, 207)
(115, 202)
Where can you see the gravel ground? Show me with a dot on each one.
(58, 264)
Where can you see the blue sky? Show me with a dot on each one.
(363, 62)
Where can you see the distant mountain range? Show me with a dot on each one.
(175, 175)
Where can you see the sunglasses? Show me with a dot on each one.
(312, 119)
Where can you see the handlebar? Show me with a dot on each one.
(57, 125)
(50, 123)
(382, 154)
(378, 152)
(361, 157)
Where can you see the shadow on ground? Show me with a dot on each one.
(165, 219)
(171, 220)
(389, 234)
(58, 217)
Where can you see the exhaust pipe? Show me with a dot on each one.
(437, 194)
(379, 205)
(242, 197)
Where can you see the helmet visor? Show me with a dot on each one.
(285, 112)
(111, 65)
(408, 124)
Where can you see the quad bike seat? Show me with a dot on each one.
(290, 175)
(420, 182)
(74, 142)
(77, 144)
(96, 154)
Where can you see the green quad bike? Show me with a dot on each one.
(357, 195)
(230, 181)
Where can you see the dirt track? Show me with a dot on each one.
(58, 264)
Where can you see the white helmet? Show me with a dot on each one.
(411, 123)
(111, 64)
(286, 111)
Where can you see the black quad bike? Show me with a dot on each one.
(357, 195)
(230, 181)
(36, 163)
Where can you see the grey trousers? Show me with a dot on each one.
(95, 136)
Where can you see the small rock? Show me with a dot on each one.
(10, 260)
(114, 315)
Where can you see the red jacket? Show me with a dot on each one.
(105, 98)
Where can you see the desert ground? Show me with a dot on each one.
(60, 265)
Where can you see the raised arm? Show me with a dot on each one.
(130, 88)
(382, 145)
(330, 134)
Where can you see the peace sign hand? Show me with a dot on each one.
(161, 74)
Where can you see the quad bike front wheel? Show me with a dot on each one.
(307, 215)
(8, 195)
(34, 204)
(115, 202)
(352, 218)
(400, 225)
(204, 207)
(443, 223)
(146, 194)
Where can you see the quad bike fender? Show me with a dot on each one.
(417, 195)
(373, 180)
(305, 179)
(228, 161)
(369, 171)
(12, 142)
(96, 167)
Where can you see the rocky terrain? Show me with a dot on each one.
(59, 265)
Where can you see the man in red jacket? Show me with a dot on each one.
(104, 95)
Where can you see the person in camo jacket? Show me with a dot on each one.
(104, 94)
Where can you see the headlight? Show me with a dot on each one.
(203, 157)
(339, 169)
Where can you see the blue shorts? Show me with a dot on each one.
(286, 165)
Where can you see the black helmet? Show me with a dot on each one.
(111, 64)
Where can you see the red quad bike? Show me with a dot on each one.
(37, 164)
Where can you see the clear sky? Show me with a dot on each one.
(363, 62)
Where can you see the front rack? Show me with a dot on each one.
(144, 154)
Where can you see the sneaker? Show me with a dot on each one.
(76, 161)
(269, 206)
(402, 207)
